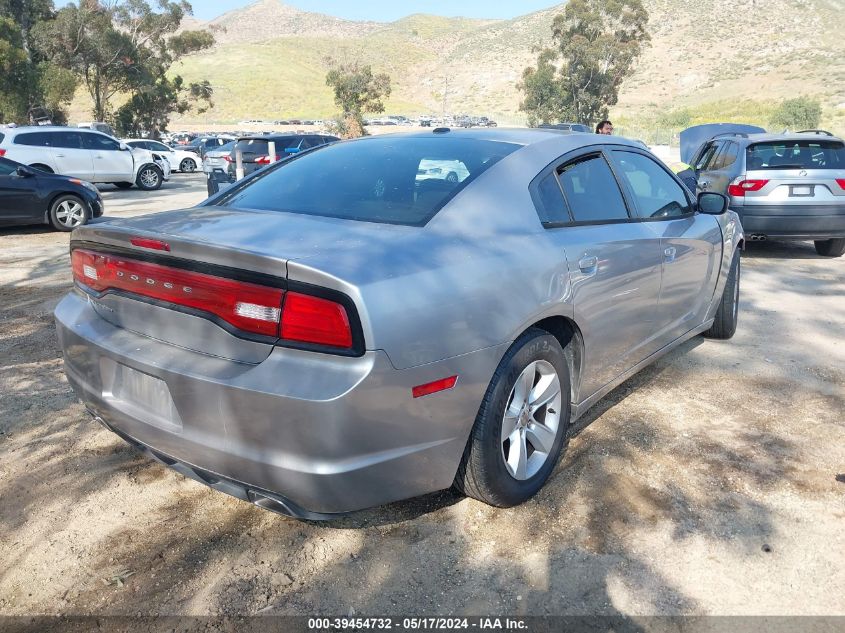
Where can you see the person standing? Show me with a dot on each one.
(604, 127)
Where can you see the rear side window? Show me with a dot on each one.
(809, 154)
(2, 136)
(551, 206)
(726, 157)
(37, 139)
(373, 180)
(591, 191)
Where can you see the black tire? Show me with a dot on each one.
(69, 211)
(149, 178)
(123, 185)
(482, 473)
(188, 165)
(43, 168)
(830, 248)
(727, 315)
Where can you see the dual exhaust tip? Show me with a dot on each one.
(757, 238)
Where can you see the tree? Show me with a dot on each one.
(28, 79)
(594, 46)
(801, 113)
(124, 47)
(356, 90)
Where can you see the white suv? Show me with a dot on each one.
(84, 154)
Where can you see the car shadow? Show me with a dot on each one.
(777, 249)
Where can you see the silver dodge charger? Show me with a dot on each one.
(344, 329)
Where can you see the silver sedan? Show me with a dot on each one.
(340, 330)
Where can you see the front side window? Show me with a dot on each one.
(100, 142)
(656, 193)
(373, 180)
(7, 167)
(591, 191)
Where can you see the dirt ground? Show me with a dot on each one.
(707, 484)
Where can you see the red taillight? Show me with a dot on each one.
(246, 306)
(2, 153)
(314, 320)
(228, 158)
(743, 186)
(265, 160)
(145, 242)
(433, 387)
(839, 181)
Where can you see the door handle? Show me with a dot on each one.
(588, 265)
(669, 254)
(60, 155)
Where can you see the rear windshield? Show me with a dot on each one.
(382, 179)
(808, 154)
(260, 146)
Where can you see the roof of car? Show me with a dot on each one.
(519, 136)
(51, 128)
(790, 136)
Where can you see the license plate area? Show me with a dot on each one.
(139, 395)
(801, 191)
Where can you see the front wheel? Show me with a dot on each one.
(520, 429)
(831, 248)
(68, 212)
(188, 165)
(149, 178)
(727, 314)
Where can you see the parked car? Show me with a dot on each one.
(179, 159)
(332, 333)
(29, 196)
(218, 158)
(99, 126)
(84, 154)
(255, 149)
(784, 186)
(203, 144)
(449, 170)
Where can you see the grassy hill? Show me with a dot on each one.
(724, 59)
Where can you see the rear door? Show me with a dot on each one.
(690, 242)
(71, 157)
(717, 175)
(111, 164)
(705, 163)
(614, 264)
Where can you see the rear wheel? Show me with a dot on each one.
(724, 326)
(149, 178)
(831, 248)
(68, 212)
(188, 165)
(521, 426)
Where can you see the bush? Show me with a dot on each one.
(800, 113)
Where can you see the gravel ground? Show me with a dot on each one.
(706, 484)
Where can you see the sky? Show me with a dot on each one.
(382, 10)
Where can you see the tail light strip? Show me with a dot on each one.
(741, 187)
(249, 307)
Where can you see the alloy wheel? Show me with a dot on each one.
(70, 213)
(531, 420)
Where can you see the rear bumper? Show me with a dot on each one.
(794, 222)
(315, 434)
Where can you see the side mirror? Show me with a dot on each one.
(125, 148)
(712, 203)
(24, 172)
